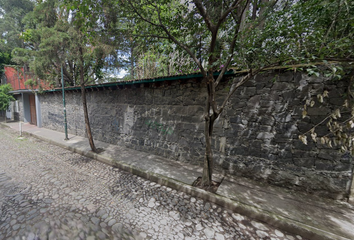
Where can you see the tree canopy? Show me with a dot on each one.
(5, 97)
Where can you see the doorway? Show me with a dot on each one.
(33, 113)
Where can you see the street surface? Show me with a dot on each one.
(47, 192)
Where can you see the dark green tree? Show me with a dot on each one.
(12, 13)
(11, 27)
(55, 40)
(5, 59)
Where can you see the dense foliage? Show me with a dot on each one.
(5, 97)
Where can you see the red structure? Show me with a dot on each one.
(17, 79)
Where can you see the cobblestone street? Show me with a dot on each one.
(47, 192)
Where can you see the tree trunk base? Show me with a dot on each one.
(212, 188)
(98, 150)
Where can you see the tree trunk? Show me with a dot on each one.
(208, 161)
(208, 132)
(84, 104)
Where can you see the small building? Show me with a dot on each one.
(26, 107)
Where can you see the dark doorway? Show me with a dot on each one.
(32, 102)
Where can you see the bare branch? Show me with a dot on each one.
(204, 15)
(231, 50)
(235, 87)
(223, 16)
(164, 28)
(152, 36)
(67, 74)
(140, 16)
(170, 36)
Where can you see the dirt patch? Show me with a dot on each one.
(212, 188)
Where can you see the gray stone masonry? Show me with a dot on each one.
(256, 136)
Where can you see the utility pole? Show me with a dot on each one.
(65, 122)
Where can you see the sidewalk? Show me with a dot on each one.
(305, 215)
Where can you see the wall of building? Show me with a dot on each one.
(255, 137)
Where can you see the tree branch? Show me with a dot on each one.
(223, 16)
(140, 16)
(232, 47)
(241, 82)
(204, 15)
(151, 35)
(164, 28)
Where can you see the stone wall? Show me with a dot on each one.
(255, 137)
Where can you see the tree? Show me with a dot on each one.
(227, 32)
(5, 97)
(5, 58)
(92, 50)
(330, 27)
(11, 25)
(249, 35)
(55, 41)
(161, 59)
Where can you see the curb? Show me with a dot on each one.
(245, 209)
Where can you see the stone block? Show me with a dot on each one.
(281, 139)
(346, 158)
(286, 77)
(250, 83)
(285, 154)
(247, 92)
(297, 77)
(239, 150)
(265, 128)
(254, 101)
(329, 154)
(267, 120)
(272, 97)
(287, 130)
(335, 92)
(299, 145)
(283, 117)
(324, 165)
(239, 105)
(341, 182)
(318, 111)
(236, 119)
(342, 167)
(191, 119)
(289, 95)
(304, 162)
(282, 86)
(337, 101)
(264, 90)
(266, 103)
(195, 111)
(265, 135)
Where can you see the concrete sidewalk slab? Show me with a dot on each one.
(306, 215)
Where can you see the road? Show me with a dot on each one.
(47, 192)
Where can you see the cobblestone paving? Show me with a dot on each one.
(47, 192)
